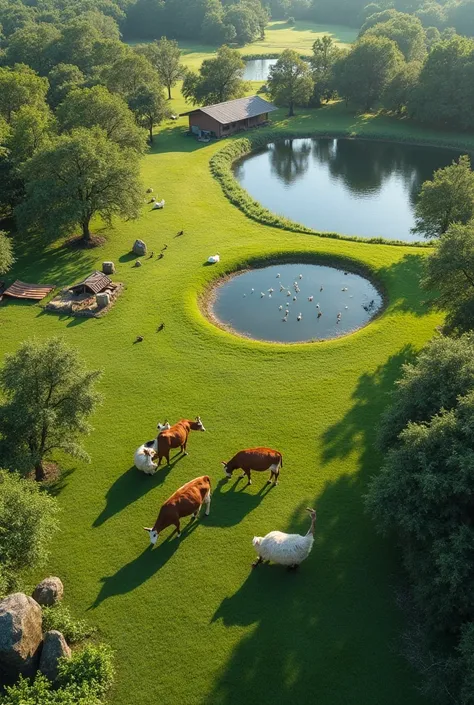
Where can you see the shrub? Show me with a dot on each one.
(59, 617)
(92, 667)
(41, 692)
(27, 523)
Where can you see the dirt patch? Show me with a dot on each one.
(77, 242)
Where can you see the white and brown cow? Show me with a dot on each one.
(257, 459)
(185, 501)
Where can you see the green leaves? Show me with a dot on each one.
(290, 82)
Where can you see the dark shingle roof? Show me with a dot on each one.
(239, 109)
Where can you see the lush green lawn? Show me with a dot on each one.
(190, 622)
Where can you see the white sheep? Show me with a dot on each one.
(213, 259)
(285, 549)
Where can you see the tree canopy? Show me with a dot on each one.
(49, 395)
(218, 80)
(6, 253)
(164, 55)
(447, 198)
(290, 82)
(80, 175)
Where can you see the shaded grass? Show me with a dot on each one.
(189, 621)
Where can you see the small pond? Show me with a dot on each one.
(353, 187)
(258, 69)
(331, 302)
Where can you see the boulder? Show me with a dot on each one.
(108, 267)
(102, 299)
(139, 248)
(54, 647)
(138, 263)
(20, 634)
(48, 591)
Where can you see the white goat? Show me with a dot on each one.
(285, 549)
(144, 455)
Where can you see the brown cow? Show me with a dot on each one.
(177, 437)
(185, 501)
(258, 459)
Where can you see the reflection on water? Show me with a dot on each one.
(328, 301)
(258, 69)
(354, 187)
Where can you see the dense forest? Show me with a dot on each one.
(223, 21)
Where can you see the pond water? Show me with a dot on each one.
(353, 187)
(340, 302)
(258, 69)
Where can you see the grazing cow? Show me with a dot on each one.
(185, 501)
(146, 453)
(177, 437)
(258, 459)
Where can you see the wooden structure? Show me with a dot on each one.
(93, 284)
(232, 116)
(22, 290)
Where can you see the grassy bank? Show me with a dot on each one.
(190, 622)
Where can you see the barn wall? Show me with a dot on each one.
(205, 122)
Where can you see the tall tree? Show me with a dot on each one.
(449, 272)
(406, 31)
(80, 175)
(218, 80)
(290, 81)
(399, 92)
(31, 129)
(34, 45)
(20, 86)
(97, 107)
(28, 521)
(325, 54)
(6, 253)
(63, 78)
(128, 74)
(164, 55)
(49, 395)
(364, 73)
(447, 198)
(150, 107)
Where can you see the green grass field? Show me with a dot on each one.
(190, 622)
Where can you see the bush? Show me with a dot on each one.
(41, 692)
(27, 523)
(91, 667)
(58, 617)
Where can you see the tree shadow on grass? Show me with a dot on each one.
(130, 487)
(402, 279)
(357, 429)
(237, 502)
(326, 633)
(142, 568)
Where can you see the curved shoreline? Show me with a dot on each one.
(207, 297)
(221, 166)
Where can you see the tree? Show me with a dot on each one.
(128, 74)
(290, 81)
(218, 80)
(149, 106)
(34, 45)
(461, 17)
(325, 55)
(63, 78)
(447, 198)
(164, 56)
(246, 21)
(364, 73)
(49, 395)
(31, 129)
(406, 31)
(449, 272)
(27, 524)
(20, 86)
(97, 107)
(398, 93)
(6, 253)
(80, 175)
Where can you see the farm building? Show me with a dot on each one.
(232, 116)
(93, 284)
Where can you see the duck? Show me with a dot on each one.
(262, 294)
(299, 317)
(301, 276)
(278, 276)
(280, 308)
(310, 298)
(320, 313)
(294, 298)
(321, 289)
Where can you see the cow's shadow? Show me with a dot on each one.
(142, 568)
(236, 499)
(130, 486)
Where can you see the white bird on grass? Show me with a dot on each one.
(285, 549)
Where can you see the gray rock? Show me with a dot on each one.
(138, 263)
(102, 299)
(48, 591)
(139, 248)
(108, 267)
(21, 635)
(54, 647)
(149, 190)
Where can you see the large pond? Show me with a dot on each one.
(291, 303)
(258, 69)
(353, 187)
